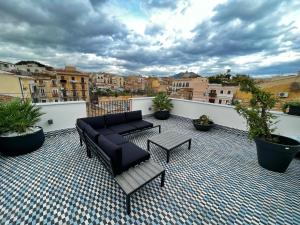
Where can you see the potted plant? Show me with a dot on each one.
(18, 133)
(162, 105)
(274, 152)
(292, 108)
(203, 123)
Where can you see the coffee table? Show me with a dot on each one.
(169, 141)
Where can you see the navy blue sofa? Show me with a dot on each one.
(107, 132)
(103, 136)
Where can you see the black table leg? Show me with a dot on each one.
(190, 142)
(148, 145)
(128, 204)
(88, 152)
(162, 181)
(168, 156)
(159, 128)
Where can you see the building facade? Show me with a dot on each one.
(218, 93)
(15, 86)
(190, 88)
(72, 85)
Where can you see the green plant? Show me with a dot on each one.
(203, 120)
(288, 104)
(162, 102)
(18, 116)
(258, 115)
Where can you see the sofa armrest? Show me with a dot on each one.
(91, 132)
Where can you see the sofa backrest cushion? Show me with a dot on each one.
(96, 122)
(113, 151)
(113, 119)
(133, 116)
(91, 132)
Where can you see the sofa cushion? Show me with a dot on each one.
(141, 124)
(91, 132)
(96, 122)
(105, 131)
(122, 128)
(133, 116)
(113, 151)
(113, 119)
(132, 155)
(116, 139)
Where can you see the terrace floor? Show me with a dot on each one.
(218, 181)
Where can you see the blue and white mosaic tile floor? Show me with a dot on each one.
(218, 181)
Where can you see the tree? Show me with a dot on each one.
(295, 86)
(258, 115)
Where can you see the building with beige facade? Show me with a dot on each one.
(190, 88)
(107, 81)
(72, 84)
(15, 86)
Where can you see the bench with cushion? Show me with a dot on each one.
(129, 164)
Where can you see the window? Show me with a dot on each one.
(220, 101)
(187, 84)
(82, 80)
(221, 92)
(229, 92)
(44, 101)
(28, 70)
(73, 78)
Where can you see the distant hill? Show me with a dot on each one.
(186, 75)
(31, 62)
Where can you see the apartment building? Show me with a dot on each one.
(7, 66)
(72, 84)
(31, 67)
(15, 86)
(107, 81)
(135, 83)
(45, 87)
(190, 88)
(221, 94)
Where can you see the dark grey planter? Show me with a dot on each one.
(294, 110)
(276, 157)
(162, 115)
(18, 145)
(203, 127)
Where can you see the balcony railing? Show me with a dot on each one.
(108, 107)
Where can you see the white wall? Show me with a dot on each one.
(225, 115)
(63, 114)
(144, 104)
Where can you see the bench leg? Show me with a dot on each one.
(190, 142)
(148, 145)
(159, 128)
(168, 156)
(128, 204)
(162, 179)
(88, 152)
(80, 141)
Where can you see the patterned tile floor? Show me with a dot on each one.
(218, 181)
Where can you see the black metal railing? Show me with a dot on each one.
(108, 107)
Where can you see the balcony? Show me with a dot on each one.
(217, 181)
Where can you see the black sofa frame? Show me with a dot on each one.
(92, 147)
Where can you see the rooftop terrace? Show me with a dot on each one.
(218, 181)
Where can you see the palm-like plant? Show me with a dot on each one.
(162, 102)
(18, 116)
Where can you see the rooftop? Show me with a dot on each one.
(218, 181)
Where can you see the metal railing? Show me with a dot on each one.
(108, 107)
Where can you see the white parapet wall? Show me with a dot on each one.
(224, 115)
(63, 114)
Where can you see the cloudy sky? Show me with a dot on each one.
(160, 37)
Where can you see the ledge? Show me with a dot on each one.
(59, 103)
